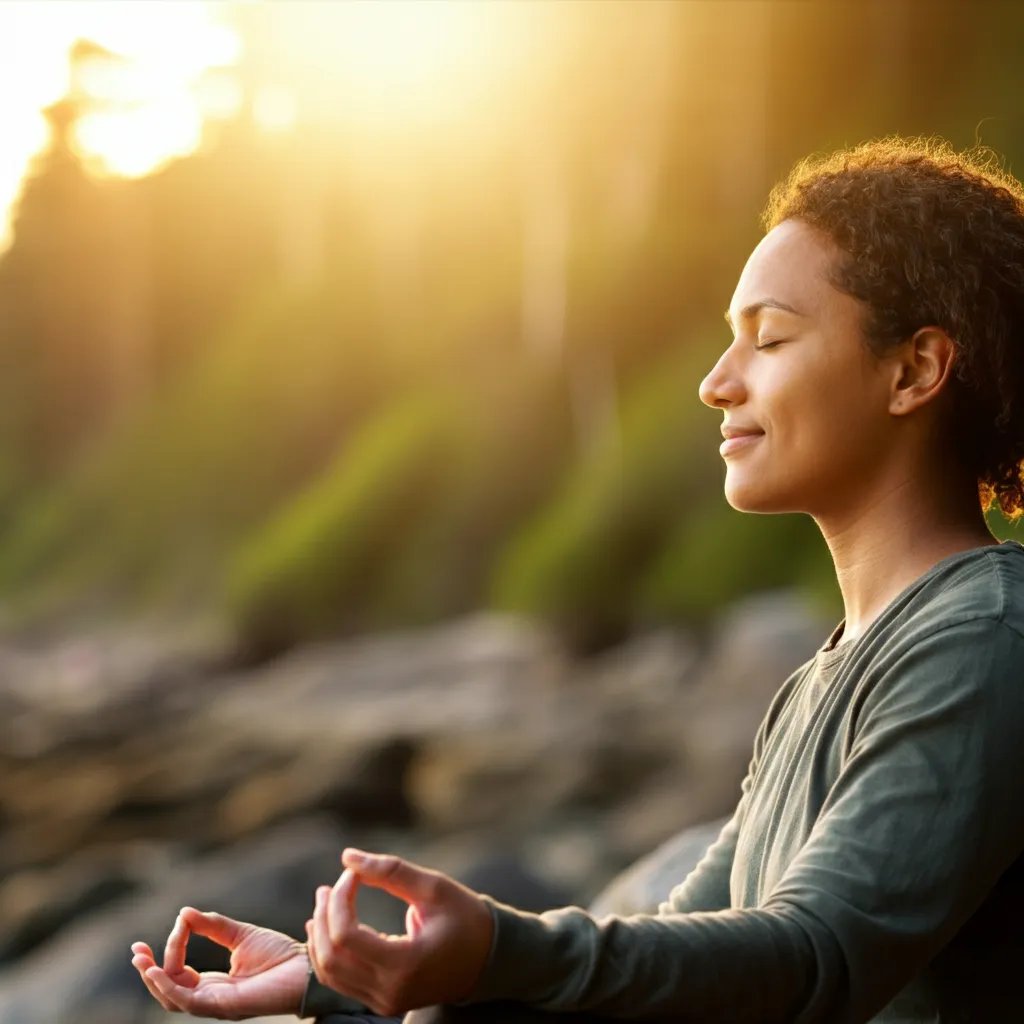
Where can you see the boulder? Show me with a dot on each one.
(85, 973)
(643, 886)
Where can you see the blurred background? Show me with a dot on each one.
(353, 481)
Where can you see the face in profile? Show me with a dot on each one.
(806, 424)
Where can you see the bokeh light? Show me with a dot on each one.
(145, 94)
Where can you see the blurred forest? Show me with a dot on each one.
(327, 375)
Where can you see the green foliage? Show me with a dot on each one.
(580, 558)
(293, 441)
(404, 525)
(157, 483)
(718, 554)
(514, 448)
(317, 565)
(1003, 528)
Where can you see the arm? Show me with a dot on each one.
(913, 835)
(743, 966)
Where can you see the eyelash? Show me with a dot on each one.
(768, 344)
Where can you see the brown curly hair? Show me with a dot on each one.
(933, 237)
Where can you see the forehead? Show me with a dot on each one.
(791, 264)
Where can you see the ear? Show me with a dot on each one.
(924, 364)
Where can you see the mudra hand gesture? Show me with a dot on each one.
(437, 961)
(267, 976)
(448, 931)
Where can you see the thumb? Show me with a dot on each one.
(400, 878)
(225, 931)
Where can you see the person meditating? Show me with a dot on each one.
(872, 870)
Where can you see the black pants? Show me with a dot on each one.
(481, 1013)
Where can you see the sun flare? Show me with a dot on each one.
(154, 72)
(392, 65)
(146, 105)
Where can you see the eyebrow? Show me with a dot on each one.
(749, 312)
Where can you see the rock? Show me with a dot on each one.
(645, 672)
(36, 903)
(86, 970)
(505, 877)
(758, 641)
(640, 888)
(480, 741)
(572, 857)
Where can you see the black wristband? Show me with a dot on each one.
(319, 1000)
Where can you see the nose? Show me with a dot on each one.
(723, 386)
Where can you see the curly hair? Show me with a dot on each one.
(933, 237)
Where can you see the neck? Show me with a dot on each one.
(897, 534)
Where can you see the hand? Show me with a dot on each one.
(268, 970)
(438, 960)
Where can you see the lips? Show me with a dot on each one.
(738, 439)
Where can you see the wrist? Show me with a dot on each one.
(300, 1010)
(484, 947)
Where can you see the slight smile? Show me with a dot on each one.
(740, 441)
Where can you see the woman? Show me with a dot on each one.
(872, 869)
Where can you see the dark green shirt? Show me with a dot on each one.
(872, 869)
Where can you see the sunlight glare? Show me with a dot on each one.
(146, 105)
(387, 65)
(134, 141)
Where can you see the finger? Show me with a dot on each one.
(225, 931)
(366, 948)
(341, 907)
(144, 949)
(174, 951)
(379, 953)
(187, 976)
(312, 952)
(177, 996)
(330, 958)
(142, 964)
(399, 877)
(320, 937)
(355, 985)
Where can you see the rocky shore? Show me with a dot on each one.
(136, 777)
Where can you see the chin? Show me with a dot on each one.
(753, 496)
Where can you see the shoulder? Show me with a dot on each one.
(978, 593)
(954, 639)
(1006, 575)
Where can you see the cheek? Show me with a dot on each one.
(814, 428)
(819, 436)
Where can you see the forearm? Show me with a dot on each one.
(752, 965)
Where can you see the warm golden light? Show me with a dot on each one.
(390, 70)
(391, 65)
(146, 100)
(402, 52)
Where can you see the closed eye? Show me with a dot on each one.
(768, 344)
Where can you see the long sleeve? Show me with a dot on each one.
(921, 821)
(737, 966)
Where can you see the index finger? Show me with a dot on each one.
(177, 943)
(341, 906)
(223, 930)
